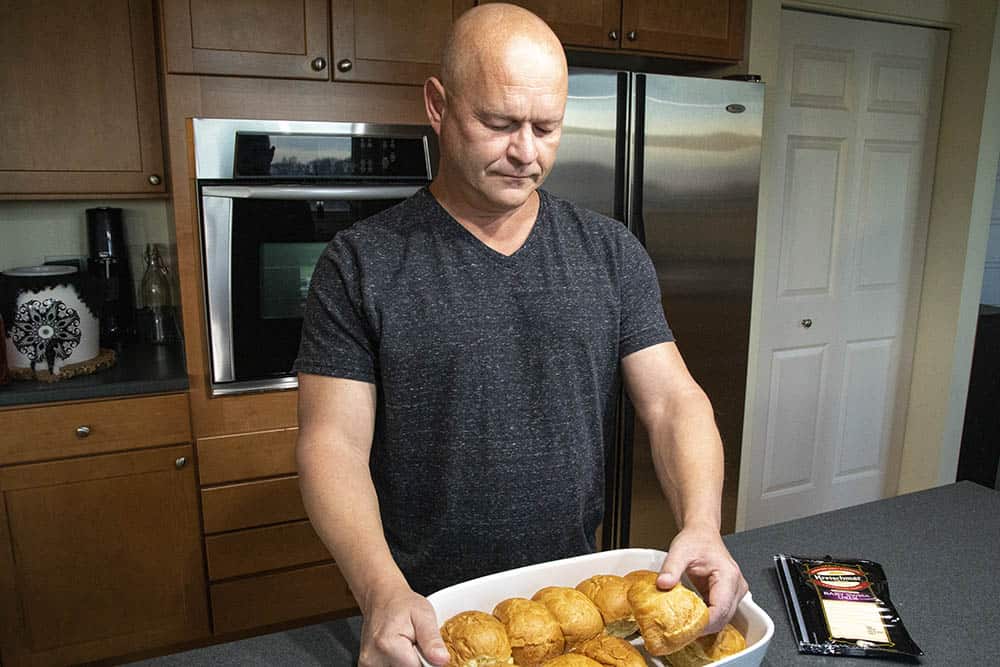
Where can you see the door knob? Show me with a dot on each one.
(613, 35)
(180, 462)
(318, 64)
(806, 323)
(344, 65)
(632, 35)
(154, 179)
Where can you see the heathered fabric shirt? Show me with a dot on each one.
(496, 376)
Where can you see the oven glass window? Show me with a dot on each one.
(275, 246)
(285, 272)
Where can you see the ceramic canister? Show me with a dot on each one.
(51, 317)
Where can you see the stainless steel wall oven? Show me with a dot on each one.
(271, 195)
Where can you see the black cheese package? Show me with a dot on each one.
(842, 607)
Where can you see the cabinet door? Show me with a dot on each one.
(589, 23)
(262, 38)
(390, 41)
(99, 557)
(700, 28)
(80, 112)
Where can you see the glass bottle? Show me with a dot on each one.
(155, 294)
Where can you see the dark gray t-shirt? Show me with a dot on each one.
(496, 375)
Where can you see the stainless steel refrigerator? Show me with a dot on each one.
(676, 159)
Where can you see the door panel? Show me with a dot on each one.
(854, 128)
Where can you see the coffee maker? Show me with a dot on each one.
(108, 262)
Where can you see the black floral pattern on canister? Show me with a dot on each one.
(45, 330)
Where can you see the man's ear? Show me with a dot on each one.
(435, 102)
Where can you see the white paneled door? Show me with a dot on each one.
(852, 140)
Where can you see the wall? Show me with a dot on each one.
(965, 177)
(991, 272)
(33, 231)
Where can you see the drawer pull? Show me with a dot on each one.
(180, 462)
(82, 431)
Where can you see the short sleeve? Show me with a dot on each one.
(337, 338)
(642, 320)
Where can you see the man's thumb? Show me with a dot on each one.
(429, 637)
(670, 572)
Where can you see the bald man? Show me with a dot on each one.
(460, 358)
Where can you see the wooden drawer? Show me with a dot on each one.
(231, 458)
(275, 598)
(262, 549)
(251, 504)
(54, 431)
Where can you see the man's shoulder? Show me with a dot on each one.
(391, 225)
(571, 218)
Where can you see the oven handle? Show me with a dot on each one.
(311, 192)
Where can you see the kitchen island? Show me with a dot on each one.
(939, 548)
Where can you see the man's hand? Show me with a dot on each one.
(700, 553)
(395, 621)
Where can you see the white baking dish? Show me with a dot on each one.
(484, 593)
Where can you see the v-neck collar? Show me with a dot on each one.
(486, 249)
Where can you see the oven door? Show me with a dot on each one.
(261, 244)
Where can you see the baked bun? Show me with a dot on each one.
(534, 633)
(706, 650)
(640, 575)
(609, 593)
(571, 660)
(476, 639)
(577, 616)
(611, 652)
(667, 619)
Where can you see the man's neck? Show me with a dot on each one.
(503, 231)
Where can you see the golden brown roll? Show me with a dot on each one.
(708, 649)
(476, 639)
(534, 633)
(571, 660)
(577, 616)
(640, 575)
(609, 593)
(667, 619)
(611, 652)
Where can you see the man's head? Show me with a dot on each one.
(498, 107)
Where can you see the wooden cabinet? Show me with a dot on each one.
(390, 41)
(696, 28)
(702, 29)
(380, 41)
(265, 562)
(80, 115)
(99, 556)
(265, 38)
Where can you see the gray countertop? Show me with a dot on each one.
(939, 549)
(140, 368)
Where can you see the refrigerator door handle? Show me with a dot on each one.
(635, 219)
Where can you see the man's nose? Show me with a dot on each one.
(522, 145)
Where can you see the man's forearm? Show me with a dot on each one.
(687, 455)
(342, 505)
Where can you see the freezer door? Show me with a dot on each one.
(695, 207)
(585, 172)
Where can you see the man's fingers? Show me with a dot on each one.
(428, 636)
(673, 567)
(724, 597)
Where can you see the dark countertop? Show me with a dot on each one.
(140, 368)
(939, 549)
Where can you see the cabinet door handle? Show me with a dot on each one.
(806, 323)
(180, 462)
(632, 35)
(154, 179)
(344, 65)
(82, 431)
(318, 64)
(613, 35)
